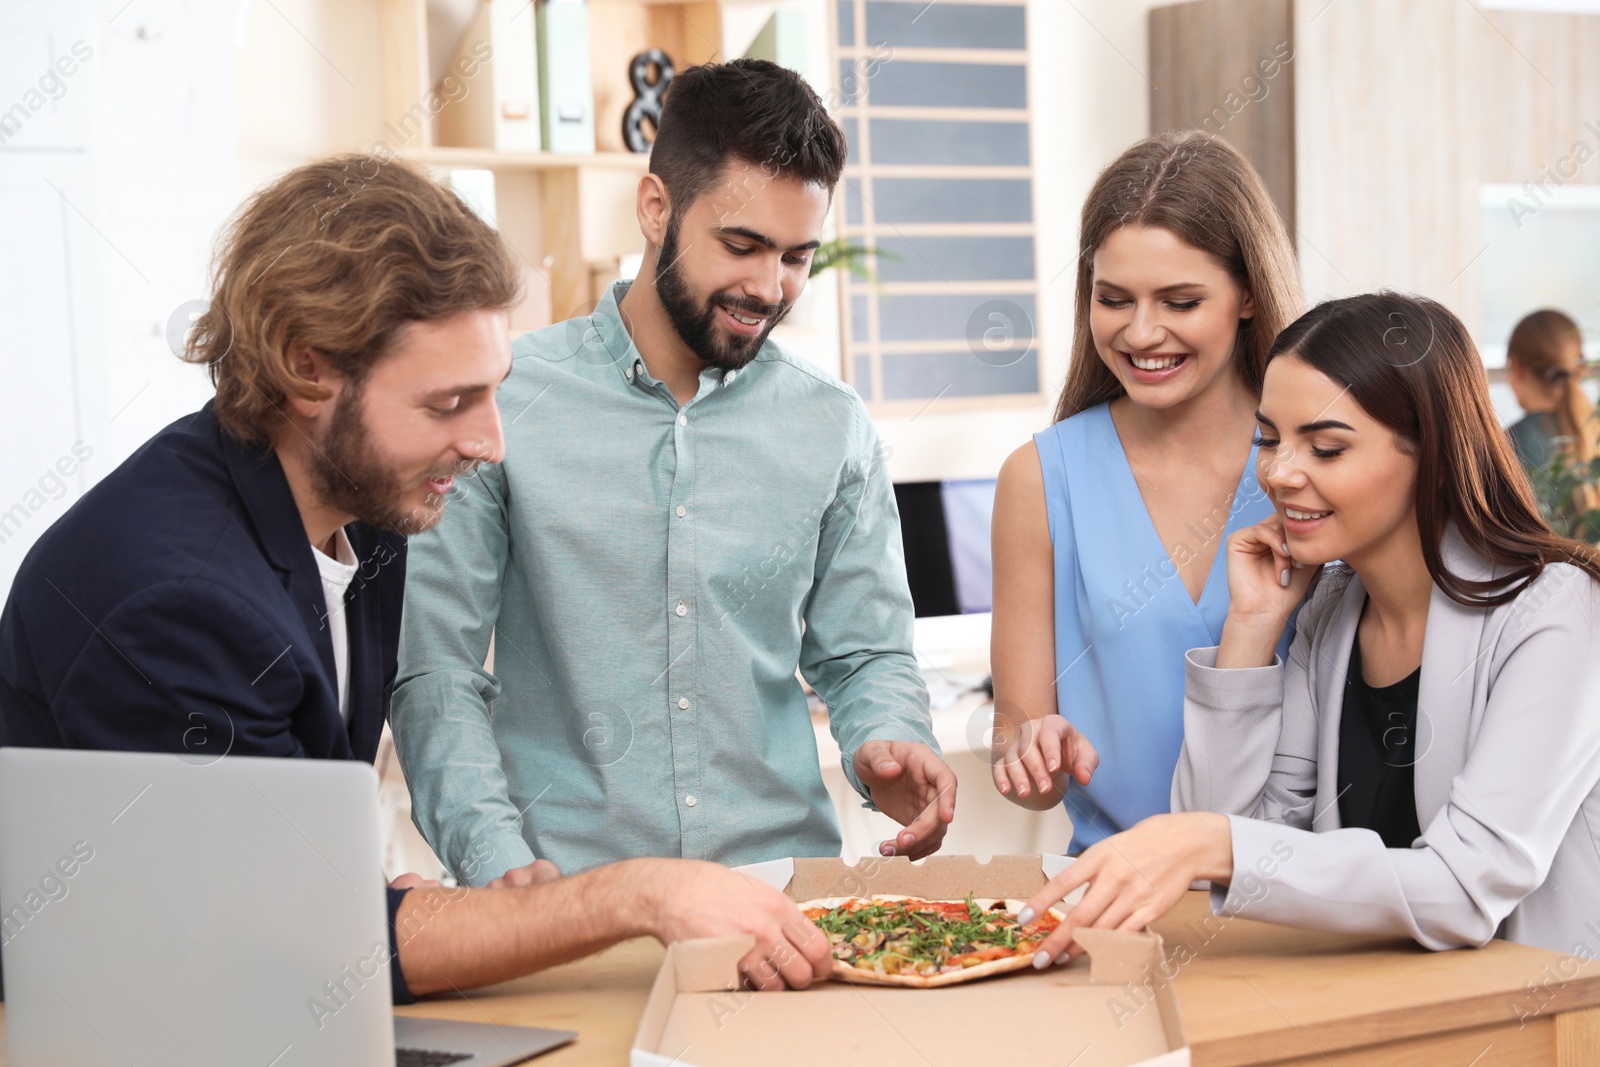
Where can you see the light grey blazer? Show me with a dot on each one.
(1507, 776)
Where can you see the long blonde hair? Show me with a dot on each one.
(1209, 195)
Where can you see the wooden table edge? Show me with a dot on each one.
(1578, 995)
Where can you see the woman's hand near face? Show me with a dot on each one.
(1135, 877)
(1264, 587)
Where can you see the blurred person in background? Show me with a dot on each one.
(1545, 357)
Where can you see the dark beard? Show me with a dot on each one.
(349, 474)
(697, 324)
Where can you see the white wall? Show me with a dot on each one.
(109, 196)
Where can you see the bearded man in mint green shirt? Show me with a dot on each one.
(686, 515)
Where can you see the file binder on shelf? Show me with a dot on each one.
(498, 106)
(566, 93)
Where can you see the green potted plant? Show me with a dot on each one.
(1569, 497)
(855, 258)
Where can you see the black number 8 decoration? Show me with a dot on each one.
(647, 97)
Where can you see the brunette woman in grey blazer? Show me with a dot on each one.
(1427, 762)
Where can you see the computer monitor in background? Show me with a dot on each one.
(945, 529)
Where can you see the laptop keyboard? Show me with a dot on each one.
(425, 1057)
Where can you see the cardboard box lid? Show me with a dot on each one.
(1118, 1011)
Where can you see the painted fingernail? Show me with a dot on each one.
(1283, 577)
(1041, 960)
(1024, 917)
(1285, 547)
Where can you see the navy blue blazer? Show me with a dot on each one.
(177, 607)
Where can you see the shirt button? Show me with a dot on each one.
(682, 611)
(628, 374)
(682, 511)
(727, 379)
(683, 703)
(683, 420)
(690, 800)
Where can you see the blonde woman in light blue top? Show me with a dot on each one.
(1108, 525)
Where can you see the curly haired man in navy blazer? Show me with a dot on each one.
(234, 587)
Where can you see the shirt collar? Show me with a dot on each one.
(613, 336)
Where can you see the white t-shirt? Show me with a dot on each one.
(337, 574)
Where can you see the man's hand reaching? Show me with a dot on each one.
(910, 784)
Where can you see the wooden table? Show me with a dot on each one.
(1251, 993)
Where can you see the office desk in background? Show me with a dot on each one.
(1253, 994)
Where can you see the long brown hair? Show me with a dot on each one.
(1209, 195)
(1540, 344)
(337, 256)
(1410, 365)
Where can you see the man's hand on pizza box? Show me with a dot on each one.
(910, 784)
(693, 898)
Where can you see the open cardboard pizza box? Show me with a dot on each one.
(1113, 1007)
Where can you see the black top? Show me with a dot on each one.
(1377, 752)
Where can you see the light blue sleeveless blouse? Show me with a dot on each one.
(1123, 618)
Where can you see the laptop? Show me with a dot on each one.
(163, 909)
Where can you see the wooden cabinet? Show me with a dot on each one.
(574, 211)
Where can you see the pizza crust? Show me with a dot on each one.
(856, 976)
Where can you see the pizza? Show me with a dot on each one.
(911, 941)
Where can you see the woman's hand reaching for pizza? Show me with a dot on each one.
(1134, 877)
(910, 784)
(1035, 760)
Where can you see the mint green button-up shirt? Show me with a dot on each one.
(652, 576)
